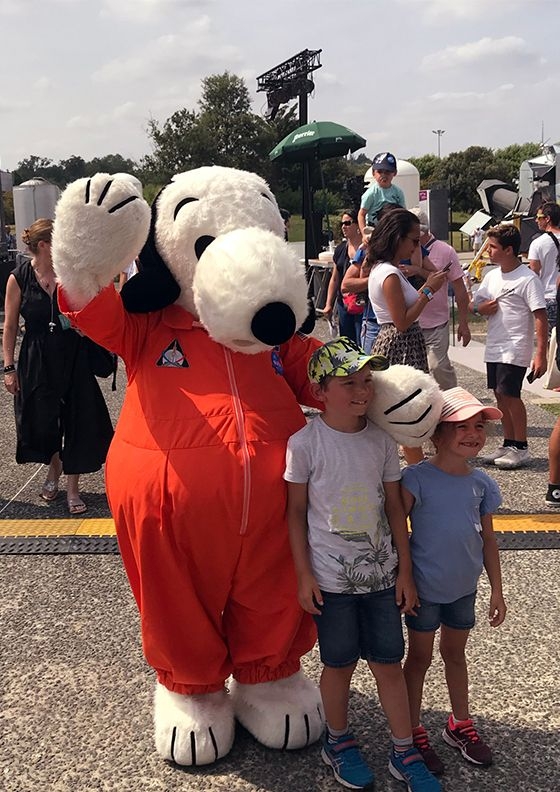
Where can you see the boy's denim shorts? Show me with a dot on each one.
(360, 625)
(458, 615)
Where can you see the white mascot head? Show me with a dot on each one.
(407, 404)
(219, 234)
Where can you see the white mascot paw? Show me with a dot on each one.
(284, 714)
(100, 226)
(407, 404)
(193, 730)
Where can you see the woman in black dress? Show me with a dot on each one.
(61, 417)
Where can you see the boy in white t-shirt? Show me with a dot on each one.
(350, 545)
(512, 297)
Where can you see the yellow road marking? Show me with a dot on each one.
(106, 527)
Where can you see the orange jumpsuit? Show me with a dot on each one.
(194, 482)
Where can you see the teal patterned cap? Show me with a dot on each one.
(341, 358)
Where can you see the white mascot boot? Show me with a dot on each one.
(284, 714)
(193, 730)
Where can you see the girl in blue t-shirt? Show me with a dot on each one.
(450, 506)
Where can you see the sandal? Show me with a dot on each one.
(49, 490)
(76, 506)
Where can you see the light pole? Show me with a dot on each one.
(439, 133)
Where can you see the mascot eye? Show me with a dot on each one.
(180, 205)
(201, 244)
(268, 198)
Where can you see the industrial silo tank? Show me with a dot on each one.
(33, 199)
(407, 178)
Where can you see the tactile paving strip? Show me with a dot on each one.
(528, 540)
(97, 536)
(58, 545)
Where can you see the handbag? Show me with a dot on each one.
(354, 303)
(101, 362)
(551, 379)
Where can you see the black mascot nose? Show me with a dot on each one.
(274, 324)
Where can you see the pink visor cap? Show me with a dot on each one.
(460, 405)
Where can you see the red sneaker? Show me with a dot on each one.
(465, 737)
(430, 757)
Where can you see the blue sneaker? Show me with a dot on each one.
(409, 767)
(347, 763)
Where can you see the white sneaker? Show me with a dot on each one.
(515, 457)
(489, 459)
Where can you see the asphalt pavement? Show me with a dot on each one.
(76, 703)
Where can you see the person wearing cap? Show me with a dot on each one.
(434, 319)
(350, 547)
(381, 191)
(450, 505)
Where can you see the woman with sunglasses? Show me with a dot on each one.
(349, 324)
(397, 304)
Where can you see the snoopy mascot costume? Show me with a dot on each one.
(210, 334)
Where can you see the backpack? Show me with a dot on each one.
(557, 246)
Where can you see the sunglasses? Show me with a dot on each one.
(347, 222)
(540, 216)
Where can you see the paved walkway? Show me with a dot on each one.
(77, 694)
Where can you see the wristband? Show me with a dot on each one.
(475, 310)
(9, 369)
(427, 292)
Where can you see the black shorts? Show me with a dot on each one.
(505, 378)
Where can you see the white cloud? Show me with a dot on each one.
(170, 55)
(510, 49)
(143, 11)
(24, 7)
(441, 11)
(43, 83)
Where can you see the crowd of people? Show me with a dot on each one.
(358, 572)
(400, 276)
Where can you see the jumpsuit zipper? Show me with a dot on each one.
(239, 419)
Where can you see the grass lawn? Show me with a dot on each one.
(297, 230)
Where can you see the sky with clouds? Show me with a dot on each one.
(83, 77)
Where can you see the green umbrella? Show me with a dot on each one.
(318, 140)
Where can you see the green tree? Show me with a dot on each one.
(111, 163)
(464, 170)
(32, 166)
(431, 170)
(508, 160)
(224, 131)
(71, 169)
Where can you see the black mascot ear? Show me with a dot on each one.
(309, 324)
(153, 287)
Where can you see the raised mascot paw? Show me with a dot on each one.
(284, 714)
(193, 730)
(101, 225)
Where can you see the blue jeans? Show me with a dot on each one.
(369, 332)
(360, 625)
(459, 615)
(349, 325)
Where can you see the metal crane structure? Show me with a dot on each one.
(285, 82)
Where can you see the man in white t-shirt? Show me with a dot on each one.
(434, 319)
(543, 256)
(512, 297)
